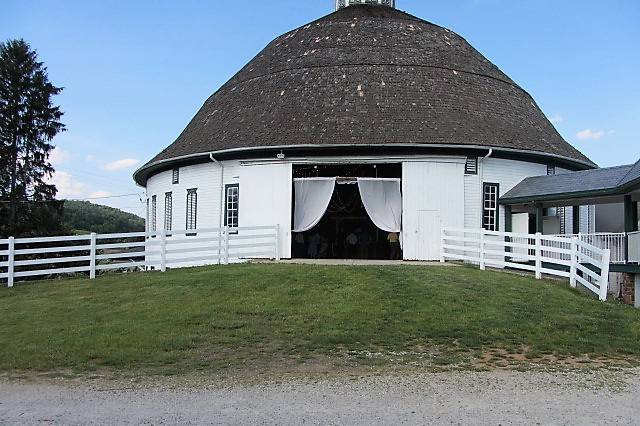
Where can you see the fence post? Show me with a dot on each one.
(574, 262)
(604, 275)
(226, 245)
(538, 255)
(219, 246)
(277, 252)
(163, 250)
(92, 257)
(11, 261)
(483, 264)
(442, 242)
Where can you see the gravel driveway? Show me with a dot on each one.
(580, 398)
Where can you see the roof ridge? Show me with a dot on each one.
(633, 167)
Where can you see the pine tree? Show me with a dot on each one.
(28, 122)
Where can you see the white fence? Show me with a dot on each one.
(615, 242)
(92, 253)
(543, 254)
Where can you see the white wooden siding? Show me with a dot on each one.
(508, 173)
(433, 194)
(472, 201)
(434, 184)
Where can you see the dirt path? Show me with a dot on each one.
(580, 398)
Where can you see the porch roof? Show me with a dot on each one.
(588, 184)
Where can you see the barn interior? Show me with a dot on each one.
(345, 231)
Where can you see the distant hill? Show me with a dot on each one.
(85, 217)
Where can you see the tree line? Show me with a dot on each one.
(29, 120)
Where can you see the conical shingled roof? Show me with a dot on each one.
(368, 76)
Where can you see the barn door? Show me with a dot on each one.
(429, 231)
(432, 197)
(265, 200)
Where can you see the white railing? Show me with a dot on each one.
(92, 253)
(542, 254)
(614, 241)
(634, 247)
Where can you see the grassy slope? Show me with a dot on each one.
(260, 315)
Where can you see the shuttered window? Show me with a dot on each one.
(471, 166)
(175, 179)
(551, 170)
(232, 205)
(153, 213)
(491, 193)
(192, 209)
(168, 211)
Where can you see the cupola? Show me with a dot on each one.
(344, 3)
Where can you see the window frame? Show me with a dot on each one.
(194, 212)
(496, 221)
(551, 170)
(168, 212)
(154, 213)
(227, 187)
(175, 176)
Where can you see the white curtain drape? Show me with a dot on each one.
(312, 199)
(382, 200)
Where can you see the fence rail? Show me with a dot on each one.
(92, 253)
(571, 258)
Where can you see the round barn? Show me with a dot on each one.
(365, 127)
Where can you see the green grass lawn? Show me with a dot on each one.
(238, 317)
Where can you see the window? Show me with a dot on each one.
(551, 170)
(153, 213)
(175, 179)
(491, 193)
(471, 166)
(192, 209)
(232, 205)
(147, 224)
(168, 211)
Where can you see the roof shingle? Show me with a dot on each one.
(369, 75)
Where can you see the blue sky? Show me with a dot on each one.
(135, 72)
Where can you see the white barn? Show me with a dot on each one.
(368, 121)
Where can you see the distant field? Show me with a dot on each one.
(245, 318)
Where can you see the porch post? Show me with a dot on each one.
(630, 221)
(539, 218)
(576, 220)
(630, 214)
(508, 224)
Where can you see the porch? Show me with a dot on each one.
(615, 190)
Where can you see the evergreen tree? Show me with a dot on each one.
(28, 122)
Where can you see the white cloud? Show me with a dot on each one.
(555, 119)
(59, 156)
(91, 157)
(590, 134)
(68, 186)
(125, 163)
(99, 194)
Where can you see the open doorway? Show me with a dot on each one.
(346, 231)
